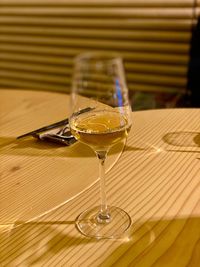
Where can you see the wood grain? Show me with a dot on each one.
(155, 180)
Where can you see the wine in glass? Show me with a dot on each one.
(101, 118)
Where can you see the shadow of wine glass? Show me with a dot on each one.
(164, 240)
(34, 147)
(32, 243)
(182, 139)
(35, 241)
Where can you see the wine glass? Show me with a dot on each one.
(101, 118)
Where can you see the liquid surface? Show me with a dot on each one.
(99, 129)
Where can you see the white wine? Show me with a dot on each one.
(99, 129)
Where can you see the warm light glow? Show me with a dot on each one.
(155, 149)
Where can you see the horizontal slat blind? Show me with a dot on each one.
(40, 38)
(198, 8)
(148, 3)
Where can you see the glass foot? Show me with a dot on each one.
(90, 224)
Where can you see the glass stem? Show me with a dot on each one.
(103, 216)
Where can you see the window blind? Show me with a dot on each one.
(40, 38)
(198, 9)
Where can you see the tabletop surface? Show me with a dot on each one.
(155, 177)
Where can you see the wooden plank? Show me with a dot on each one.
(101, 12)
(167, 47)
(126, 35)
(60, 65)
(149, 3)
(52, 51)
(146, 78)
(131, 23)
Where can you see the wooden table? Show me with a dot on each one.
(45, 186)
